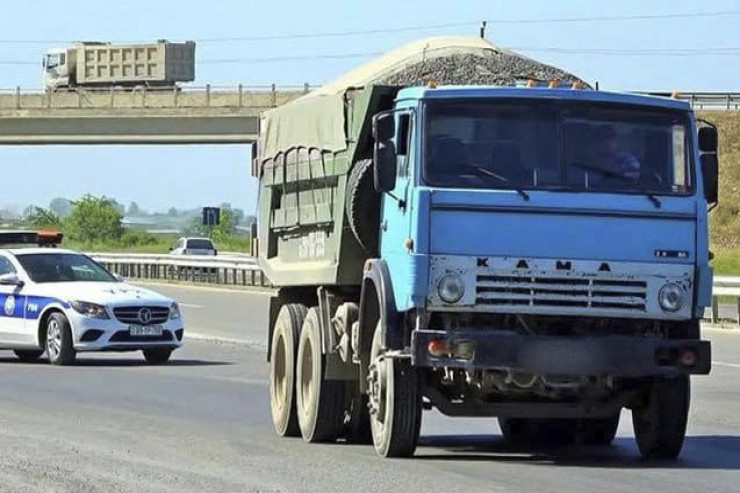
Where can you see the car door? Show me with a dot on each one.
(12, 308)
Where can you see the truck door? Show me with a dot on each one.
(395, 224)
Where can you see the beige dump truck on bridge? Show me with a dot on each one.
(99, 64)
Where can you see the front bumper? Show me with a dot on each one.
(618, 356)
(91, 334)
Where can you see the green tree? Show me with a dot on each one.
(40, 218)
(172, 212)
(61, 207)
(226, 226)
(94, 219)
(134, 210)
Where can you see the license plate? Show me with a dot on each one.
(145, 330)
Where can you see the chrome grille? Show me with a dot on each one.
(561, 291)
(131, 314)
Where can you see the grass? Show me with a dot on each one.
(156, 245)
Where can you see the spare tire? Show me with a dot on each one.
(363, 206)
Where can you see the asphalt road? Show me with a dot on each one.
(202, 424)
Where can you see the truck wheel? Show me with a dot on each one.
(59, 340)
(660, 423)
(282, 369)
(363, 205)
(29, 355)
(395, 402)
(320, 402)
(598, 431)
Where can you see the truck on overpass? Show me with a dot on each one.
(102, 64)
(533, 253)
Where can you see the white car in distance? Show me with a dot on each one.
(61, 302)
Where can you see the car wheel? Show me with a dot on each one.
(157, 356)
(29, 355)
(59, 340)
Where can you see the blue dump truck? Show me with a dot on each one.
(534, 253)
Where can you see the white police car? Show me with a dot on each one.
(62, 302)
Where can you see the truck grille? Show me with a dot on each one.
(612, 294)
(132, 314)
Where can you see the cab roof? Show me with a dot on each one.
(36, 251)
(471, 92)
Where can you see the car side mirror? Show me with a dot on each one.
(10, 280)
(708, 139)
(710, 174)
(119, 277)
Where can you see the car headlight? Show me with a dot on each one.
(451, 288)
(91, 310)
(174, 311)
(671, 297)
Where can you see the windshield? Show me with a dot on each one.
(63, 267)
(200, 245)
(574, 146)
(54, 60)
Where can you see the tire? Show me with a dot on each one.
(660, 423)
(319, 402)
(598, 432)
(395, 416)
(59, 340)
(283, 352)
(363, 206)
(157, 356)
(29, 355)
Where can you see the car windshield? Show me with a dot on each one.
(546, 144)
(63, 267)
(200, 244)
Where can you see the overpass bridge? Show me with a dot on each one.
(187, 115)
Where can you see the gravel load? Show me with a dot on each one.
(489, 68)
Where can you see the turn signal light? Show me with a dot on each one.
(553, 84)
(437, 348)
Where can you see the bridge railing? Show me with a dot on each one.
(237, 96)
(208, 96)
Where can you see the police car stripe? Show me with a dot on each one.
(12, 306)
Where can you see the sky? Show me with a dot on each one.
(659, 48)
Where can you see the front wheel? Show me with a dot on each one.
(59, 340)
(395, 402)
(157, 356)
(660, 422)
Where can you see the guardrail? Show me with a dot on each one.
(241, 270)
(230, 270)
(704, 100)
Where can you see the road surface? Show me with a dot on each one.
(202, 423)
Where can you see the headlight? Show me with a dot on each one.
(91, 310)
(671, 297)
(451, 288)
(174, 311)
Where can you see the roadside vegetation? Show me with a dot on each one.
(95, 224)
(724, 221)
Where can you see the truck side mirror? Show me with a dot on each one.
(384, 126)
(708, 139)
(384, 165)
(710, 173)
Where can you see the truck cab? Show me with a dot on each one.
(56, 69)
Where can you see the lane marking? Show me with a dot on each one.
(246, 290)
(229, 340)
(190, 305)
(728, 365)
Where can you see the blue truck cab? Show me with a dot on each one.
(543, 259)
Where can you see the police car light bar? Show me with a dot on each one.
(25, 238)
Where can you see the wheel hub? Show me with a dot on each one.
(377, 388)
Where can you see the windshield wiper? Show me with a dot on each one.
(651, 196)
(654, 199)
(500, 178)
